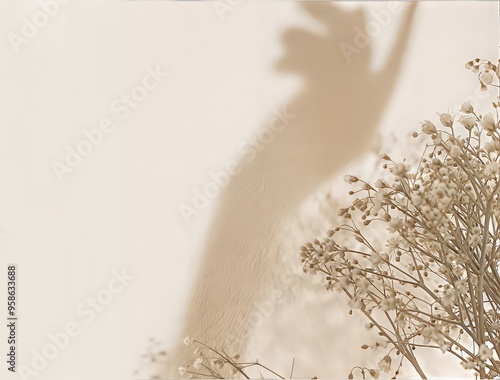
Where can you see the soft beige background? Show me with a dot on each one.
(120, 207)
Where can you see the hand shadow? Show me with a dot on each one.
(336, 115)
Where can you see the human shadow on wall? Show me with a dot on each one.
(335, 117)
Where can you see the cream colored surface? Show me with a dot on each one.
(119, 208)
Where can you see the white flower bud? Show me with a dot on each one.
(385, 364)
(182, 370)
(468, 121)
(488, 123)
(444, 347)
(486, 78)
(467, 107)
(455, 151)
(350, 178)
(446, 119)
(428, 128)
(490, 146)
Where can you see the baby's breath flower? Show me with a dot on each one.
(467, 107)
(492, 146)
(396, 224)
(362, 284)
(485, 352)
(197, 363)
(468, 121)
(430, 268)
(356, 302)
(457, 271)
(381, 343)
(474, 239)
(416, 199)
(385, 364)
(401, 321)
(374, 373)
(470, 65)
(488, 123)
(445, 347)
(399, 170)
(492, 169)
(448, 299)
(455, 151)
(446, 119)
(486, 78)
(350, 178)
(428, 127)
(182, 370)
(388, 304)
(431, 333)
(469, 364)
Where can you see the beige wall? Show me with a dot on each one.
(119, 207)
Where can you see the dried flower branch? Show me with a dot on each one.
(434, 283)
(486, 72)
(215, 363)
